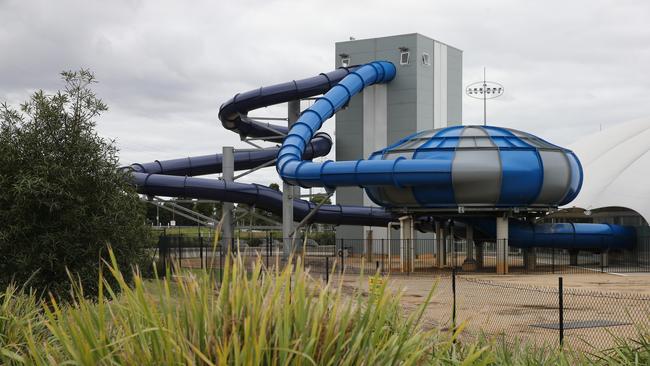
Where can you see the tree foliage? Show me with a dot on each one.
(62, 198)
(160, 216)
(275, 187)
(320, 197)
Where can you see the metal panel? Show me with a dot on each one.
(424, 85)
(375, 122)
(437, 122)
(442, 193)
(454, 86)
(476, 176)
(397, 197)
(576, 178)
(443, 85)
(473, 131)
(521, 177)
(556, 176)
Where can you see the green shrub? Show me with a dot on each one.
(62, 198)
(324, 238)
(255, 242)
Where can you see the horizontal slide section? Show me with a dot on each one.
(331, 174)
(232, 113)
(319, 146)
(562, 235)
(262, 197)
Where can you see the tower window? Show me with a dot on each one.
(425, 59)
(404, 58)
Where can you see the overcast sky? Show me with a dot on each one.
(569, 67)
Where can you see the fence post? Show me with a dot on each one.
(453, 291)
(180, 253)
(383, 254)
(455, 243)
(602, 262)
(552, 260)
(561, 308)
(201, 250)
(342, 256)
(162, 253)
(327, 269)
(266, 250)
(221, 261)
(409, 264)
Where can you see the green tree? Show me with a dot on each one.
(320, 197)
(270, 215)
(211, 209)
(155, 214)
(63, 199)
(180, 219)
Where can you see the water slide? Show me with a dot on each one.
(452, 160)
(380, 175)
(578, 236)
(176, 178)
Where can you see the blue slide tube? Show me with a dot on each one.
(320, 145)
(579, 236)
(342, 84)
(259, 196)
(400, 172)
(233, 113)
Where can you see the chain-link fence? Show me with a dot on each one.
(194, 252)
(408, 256)
(396, 256)
(584, 320)
(544, 315)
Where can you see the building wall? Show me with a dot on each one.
(420, 97)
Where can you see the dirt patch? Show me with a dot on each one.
(511, 305)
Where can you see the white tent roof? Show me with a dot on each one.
(616, 164)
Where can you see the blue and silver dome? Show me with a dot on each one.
(483, 166)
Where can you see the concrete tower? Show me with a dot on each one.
(425, 94)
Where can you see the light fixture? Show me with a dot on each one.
(345, 59)
(425, 59)
(404, 55)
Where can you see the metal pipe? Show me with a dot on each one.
(205, 223)
(306, 219)
(227, 208)
(268, 163)
(288, 191)
(561, 309)
(176, 206)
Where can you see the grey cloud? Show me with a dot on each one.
(166, 66)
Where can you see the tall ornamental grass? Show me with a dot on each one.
(255, 317)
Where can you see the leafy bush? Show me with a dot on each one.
(62, 198)
(324, 238)
(255, 242)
